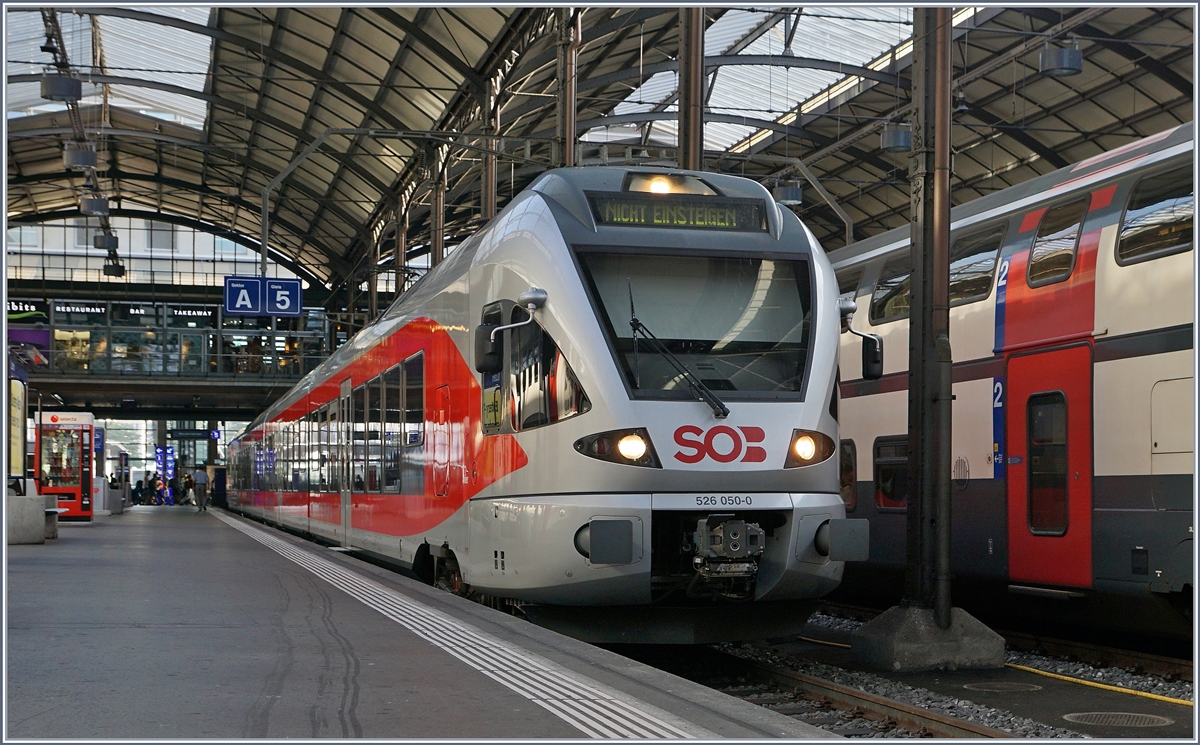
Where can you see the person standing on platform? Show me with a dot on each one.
(200, 478)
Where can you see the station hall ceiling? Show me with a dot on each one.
(193, 110)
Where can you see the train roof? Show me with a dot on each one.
(1106, 161)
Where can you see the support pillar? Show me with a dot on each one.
(924, 632)
(691, 88)
(211, 456)
(491, 120)
(401, 246)
(569, 25)
(437, 221)
(373, 279)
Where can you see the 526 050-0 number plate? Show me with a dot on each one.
(721, 502)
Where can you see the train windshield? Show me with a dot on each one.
(740, 325)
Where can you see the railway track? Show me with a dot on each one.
(1172, 668)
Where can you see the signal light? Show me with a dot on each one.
(808, 448)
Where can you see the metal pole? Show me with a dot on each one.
(437, 223)
(691, 88)
(491, 119)
(922, 370)
(941, 314)
(569, 25)
(401, 247)
(373, 279)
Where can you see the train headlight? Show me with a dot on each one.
(630, 447)
(808, 448)
(660, 185)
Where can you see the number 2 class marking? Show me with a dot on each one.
(998, 389)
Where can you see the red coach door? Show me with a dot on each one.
(1049, 467)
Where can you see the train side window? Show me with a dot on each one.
(1158, 220)
(891, 473)
(890, 300)
(358, 438)
(414, 400)
(492, 399)
(848, 473)
(542, 387)
(972, 263)
(375, 404)
(1047, 447)
(323, 464)
(848, 284)
(393, 429)
(1053, 254)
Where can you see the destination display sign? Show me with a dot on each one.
(686, 211)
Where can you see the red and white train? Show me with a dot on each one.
(621, 392)
(1072, 321)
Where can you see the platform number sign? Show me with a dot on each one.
(256, 296)
(283, 297)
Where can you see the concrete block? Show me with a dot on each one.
(903, 639)
(51, 529)
(26, 519)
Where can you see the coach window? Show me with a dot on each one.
(323, 448)
(393, 430)
(358, 438)
(414, 400)
(972, 262)
(492, 398)
(375, 410)
(890, 300)
(1158, 220)
(848, 284)
(542, 387)
(1053, 254)
(848, 473)
(1047, 448)
(891, 473)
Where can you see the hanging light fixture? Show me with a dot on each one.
(788, 193)
(94, 206)
(61, 88)
(897, 140)
(961, 107)
(1059, 62)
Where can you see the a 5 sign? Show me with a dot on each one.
(722, 443)
(257, 296)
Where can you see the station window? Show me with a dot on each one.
(848, 474)
(393, 429)
(1158, 220)
(1053, 254)
(414, 400)
(891, 473)
(542, 387)
(1047, 442)
(160, 235)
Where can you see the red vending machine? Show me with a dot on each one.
(64, 461)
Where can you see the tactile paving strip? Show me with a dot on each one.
(585, 704)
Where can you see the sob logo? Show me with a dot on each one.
(721, 443)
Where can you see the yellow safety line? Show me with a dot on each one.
(828, 644)
(1118, 689)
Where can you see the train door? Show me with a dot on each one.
(441, 441)
(343, 446)
(1049, 467)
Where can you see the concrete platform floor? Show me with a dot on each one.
(164, 623)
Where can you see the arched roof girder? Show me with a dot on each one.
(655, 116)
(188, 222)
(240, 109)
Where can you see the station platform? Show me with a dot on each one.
(167, 623)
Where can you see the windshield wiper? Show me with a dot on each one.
(703, 392)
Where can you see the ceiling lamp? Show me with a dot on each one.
(93, 206)
(898, 140)
(79, 156)
(61, 88)
(1059, 62)
(788, 193)
(961, 107)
